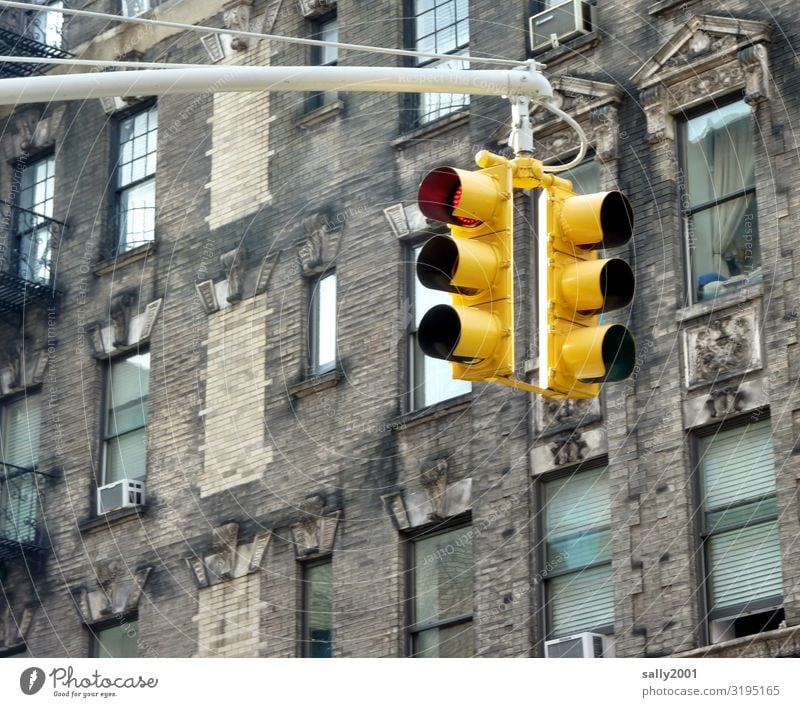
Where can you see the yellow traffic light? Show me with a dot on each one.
(575, 286)
(474, 264)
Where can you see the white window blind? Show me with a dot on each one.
(126, 433)
(742, 545)
(580, 590)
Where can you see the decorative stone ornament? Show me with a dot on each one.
(13, 631)
(432, 497)
(316, 533)
(265, 272)
(434, 481)
(556, 415)
(208, 296)
(118, 592)
(729, 345)
(126, 329)
(228, 559)
(236, 16)
(33, 129)
(739, 397)
(315, 8)
(726, 401)
(708, 57)
(121, 312)
(568, 448)
(232, 262)
(23, 371)
(321, 246)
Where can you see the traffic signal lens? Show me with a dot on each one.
(460, 334)
(461, 266)
(617, 283)
(599, 354)
(462, 220)
(619, 353)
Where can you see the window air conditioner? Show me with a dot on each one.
(569, 19)
(580, 645)
(120, 494)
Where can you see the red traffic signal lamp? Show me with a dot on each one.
(474, 264)
(576, 352)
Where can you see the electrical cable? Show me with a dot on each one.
(569, 120)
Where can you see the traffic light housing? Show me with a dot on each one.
(474, 264)
(576, 352)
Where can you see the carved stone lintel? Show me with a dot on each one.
(316, 533)
(13, 631)
(232, 262)
(568, 448)
(556, 415)
(258, 550)
(96, 339)
(198, 569)
(395, 505)
(121, 312)
(314, 8)
(321, 246)
(118, 592)
(396, 216)
(236, 16)
(659, 121)
(434, 483)
(208, 296)
(222, 563)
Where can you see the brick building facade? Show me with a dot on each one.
(209, 300)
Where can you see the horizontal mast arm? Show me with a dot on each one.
(523, 81)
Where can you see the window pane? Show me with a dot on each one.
(20, 438)
(581, 601)
(745, 514)
(737, 465)
(451, 642)
(329, 32)
(577, 505)
(126, 457)
(725, 253)
(137, 215)
(585, 177)
(18, 506)
(745, 566)
(129, 381)
(117, 641)
(318, 605)
(436, 105)
(324, 301)
(443, 576)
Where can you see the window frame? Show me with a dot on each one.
(413, 101)
(106, 409)
(685, 209)
(540, 555)
(317, 99)
(315, 368)
(701, 537)
(121, 117)
(151, 4)
(18, 231)
(410, 540)
(94, 628)
(304, 639)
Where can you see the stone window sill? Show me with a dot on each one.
(111, 518)
(432, 129)
(321, 114)
(568, 49)
(433, 412)
(719, 304)
(315, 384)
(780, 643)
(124, 259)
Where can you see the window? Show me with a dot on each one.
(132, 8)
(431, 378)
(317, 639)
(328, 31)
(47, 27)
(720, 201)
(740, 528)
(322, 324)
(32, 219)
(440, 27)
(117, 641)
(126, 419)
(579, 590)
(19, 450)
(441, 605)
(136, 184)
(585, 177)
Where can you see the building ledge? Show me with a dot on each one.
(128, 257)
(426, 132)
(315, 384)
(112, 518)
(780, 643)
(719, 304)
(321, 114)
(663, 5)
(433, 412)
(568, 49)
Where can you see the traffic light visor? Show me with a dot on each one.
(458, 197)
(600, 354)
(593, 221)
(460, 334)
(589, 287)
(462, 266)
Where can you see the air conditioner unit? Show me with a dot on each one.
(569, 19)
(120, 494)
(580, 645)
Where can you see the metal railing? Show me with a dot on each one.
(20, 531)
(24, 33)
